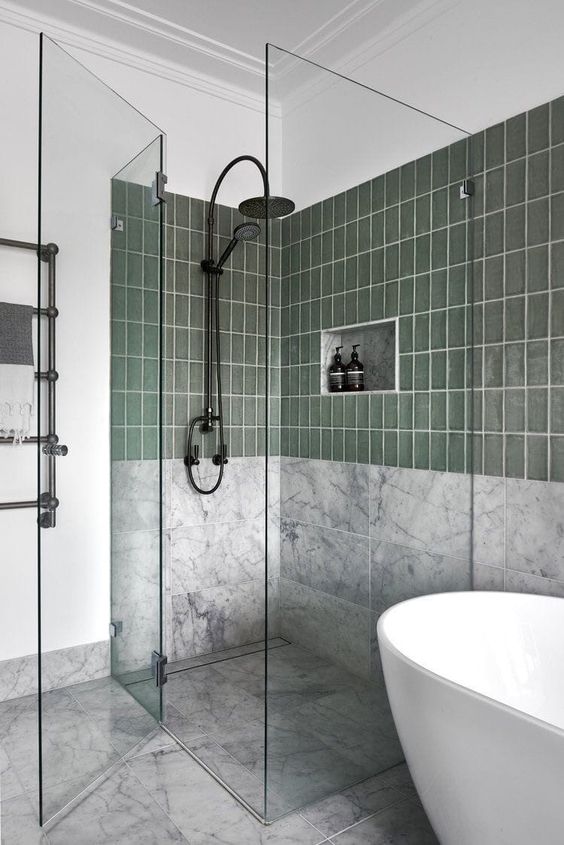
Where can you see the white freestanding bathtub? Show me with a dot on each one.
(476, 686)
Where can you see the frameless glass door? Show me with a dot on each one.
(374, 501)
(88, 720)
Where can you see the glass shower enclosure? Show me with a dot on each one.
(98, 176)
(264, 596)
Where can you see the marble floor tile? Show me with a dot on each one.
(19, 822)
(115, 712)
(10, 784)
(205, 812)
(338, 812)
(225, 655)
(404, 823)
(209, 702)
(119, 810)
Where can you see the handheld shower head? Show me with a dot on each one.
(242, 232)
(246, 232)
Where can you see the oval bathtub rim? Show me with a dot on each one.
(500, 705)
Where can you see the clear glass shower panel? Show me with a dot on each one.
(373, 484)
(87, 135)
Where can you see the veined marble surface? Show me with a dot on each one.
(219, 618)
(335, 562)
(398, 573)
(326, 493)
(18, 677)
(136, 495)
(421, 509)
(216, 554)
(240, 496)
(488, 520)
(535, 527)
(330, 627)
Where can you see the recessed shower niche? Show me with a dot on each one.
(378, 351)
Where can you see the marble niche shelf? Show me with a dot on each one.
(378, 351)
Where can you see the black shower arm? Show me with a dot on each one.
(220, 178)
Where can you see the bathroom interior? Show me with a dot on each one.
(281, 518)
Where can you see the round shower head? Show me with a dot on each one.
(256, 207)
(246, 232)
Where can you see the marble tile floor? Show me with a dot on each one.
(327, 728)
(136, 785)
(162, 795)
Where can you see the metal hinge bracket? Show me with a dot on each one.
(159, 187)
(158, 668)
(116, 223)
(466, 189)
(115, 628)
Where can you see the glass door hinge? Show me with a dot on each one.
(116, 223)
(158, 668)
(466, 189)
(159, 183)
(115, 628)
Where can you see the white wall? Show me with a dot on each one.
(204, 133)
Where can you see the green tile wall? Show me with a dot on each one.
(135, 322)
(243, 315)
(402, 246)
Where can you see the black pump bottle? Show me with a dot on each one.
(355, 371)
(337, 377)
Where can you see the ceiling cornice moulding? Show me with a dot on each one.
(147, 62)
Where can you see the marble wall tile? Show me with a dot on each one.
(421, 509)
(398, 573)
(61, 668)
(535, 527)
(330, 627)
(135, 598)
(241, 495)
(217, 618)
(488, 577)
(334, 562)
(488, 520)
(522, 582)
(216, 554)
(325, 493)
(136, 495)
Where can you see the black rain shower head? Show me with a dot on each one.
(242, 232)
(256, 207)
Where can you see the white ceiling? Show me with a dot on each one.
(470, 62)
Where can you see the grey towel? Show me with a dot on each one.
(16, 345)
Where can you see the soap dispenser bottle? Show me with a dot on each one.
(355, 371)
(337, 376)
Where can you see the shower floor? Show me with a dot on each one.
(327, 728)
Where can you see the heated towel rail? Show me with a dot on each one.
(47, 502)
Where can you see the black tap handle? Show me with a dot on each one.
(224, 453)
(193, 459)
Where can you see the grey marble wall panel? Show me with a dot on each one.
(522, 582)
(135, 598)
(325, 493)
(421, 509)
(535, 527)
(240, 496)
(136, 495)
(330, 627)
(488, 577)
(398, 573)
(217, 618)
(488, 520)
(61, 668)
(216, 554)
(334, 562)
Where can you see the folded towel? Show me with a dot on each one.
(16, 370)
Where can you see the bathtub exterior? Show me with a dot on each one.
(486, 773)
